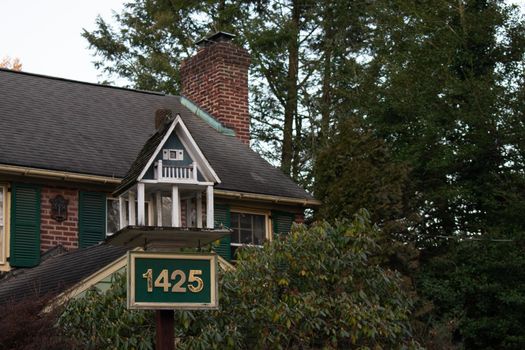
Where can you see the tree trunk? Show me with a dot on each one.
(326, 89)
(290, 109)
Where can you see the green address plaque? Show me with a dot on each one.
(172, 281)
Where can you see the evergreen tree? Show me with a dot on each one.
(445, 77)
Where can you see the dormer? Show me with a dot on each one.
(166, 183)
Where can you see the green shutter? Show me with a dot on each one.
(91, 218)
(222, 219)
(282, 222)
(25, 226)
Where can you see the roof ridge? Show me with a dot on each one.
(81, 82)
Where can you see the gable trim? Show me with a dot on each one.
(157, 150)
(193, 146)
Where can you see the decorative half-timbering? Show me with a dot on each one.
(167, 182)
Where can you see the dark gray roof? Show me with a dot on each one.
(59, 124)
(142, 159)
(57, 273)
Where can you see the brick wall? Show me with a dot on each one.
(299, 218)
(216, 79)
(54, 232)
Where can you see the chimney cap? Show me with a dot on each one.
(215, 38)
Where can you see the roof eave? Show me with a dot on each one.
(58, 174)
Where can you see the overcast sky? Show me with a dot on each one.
(45, 34)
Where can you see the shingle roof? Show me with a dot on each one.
(59, 124)
(57, 273)
(142, 159)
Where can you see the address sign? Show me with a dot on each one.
(172, 281)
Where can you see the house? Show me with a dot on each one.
(79, 161)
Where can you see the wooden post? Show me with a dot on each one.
(160, 173)
(165, 333)
(141, 215)
(131, 206)
(175, 206)
(209, 207)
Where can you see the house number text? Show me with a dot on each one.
(178, 277)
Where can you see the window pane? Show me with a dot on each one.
(234, 223)
(246, 221)
(246, 237)
(112, 216)
(248, 228)
(166, 211)
(258, 229)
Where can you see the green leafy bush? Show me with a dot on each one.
(314, 288)
(102, 321)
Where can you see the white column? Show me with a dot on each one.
(160, 173)
(198, 214)
(158, 201)
(209, 207)
(131, 208)
(122, 211)
(141, 215)
(175, 206)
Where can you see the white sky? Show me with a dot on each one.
(45, 34)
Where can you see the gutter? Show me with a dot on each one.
(109, 180)
(59, 175)
(305, 202)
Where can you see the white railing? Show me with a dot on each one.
(171, 172)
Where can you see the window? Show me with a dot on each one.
(2, 224)
(173, 154)
(113, 215)
(166, 211)
(248, 228)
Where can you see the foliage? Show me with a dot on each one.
(316, 288)
(356, 164)
(101, 320)
(478, 289)
(296, 47)
(26, 327)
(441, 90)
(13, 64)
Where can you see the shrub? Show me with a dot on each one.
(314, 288)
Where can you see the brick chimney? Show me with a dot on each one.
(216, 79)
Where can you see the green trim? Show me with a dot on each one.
(91, 218)
(25, 226)
(223, 220)
(282, 222)
(206, 117)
